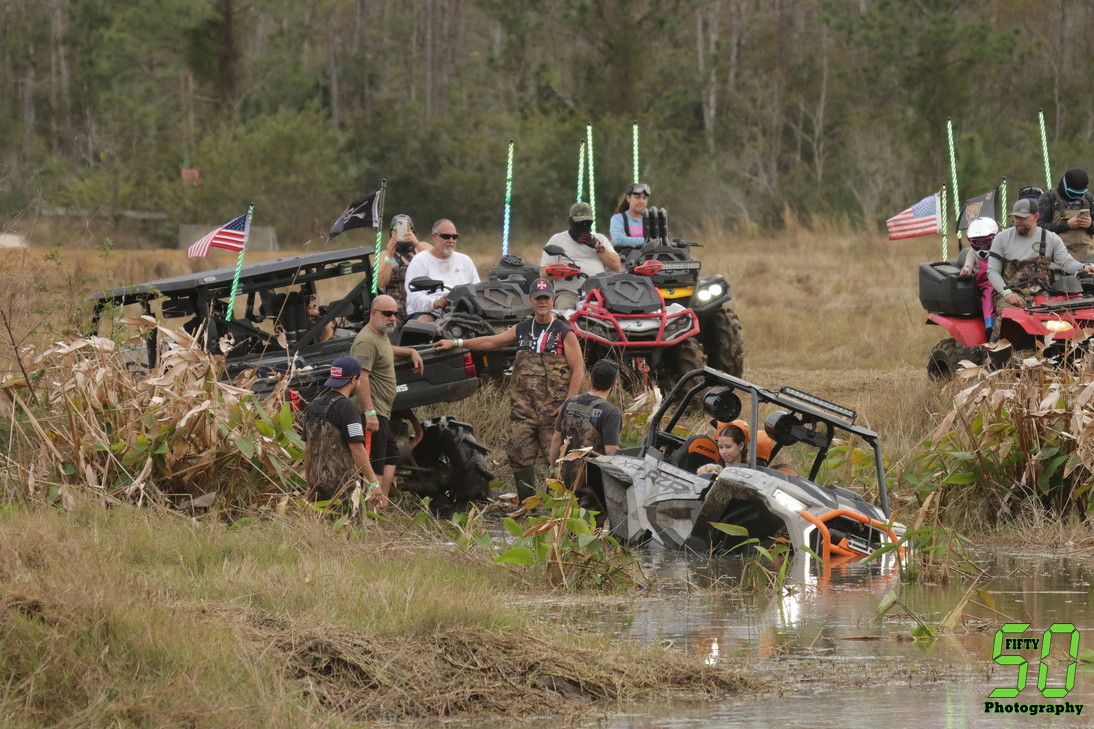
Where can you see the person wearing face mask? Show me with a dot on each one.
(1020, 259)
(402, 246)
(376, 389)
(627, 227)
(592, 252)
(981, 233)
(1066, 211)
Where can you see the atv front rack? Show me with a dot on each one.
(594, 310)
(1066, 305)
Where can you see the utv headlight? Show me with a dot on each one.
(1057, 325)
(710, 292)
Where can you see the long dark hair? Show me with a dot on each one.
(624, 203)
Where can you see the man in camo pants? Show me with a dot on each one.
(548, 370)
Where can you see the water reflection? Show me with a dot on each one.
(830, 615)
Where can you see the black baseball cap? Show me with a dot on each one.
(541, 287)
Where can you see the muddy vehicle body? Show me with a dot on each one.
(651, 492)
(271, 338)
(1065, 312)
(680, 281)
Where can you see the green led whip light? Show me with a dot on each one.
(1044, 147)
(239, 263)
(508, 200)
(1003, 201)
(379, 223)
(592, 177)
(945, 224)
(953, 182)
(581, 172)
(634, 148)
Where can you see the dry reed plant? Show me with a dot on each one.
(1011, 439)
(175, 431)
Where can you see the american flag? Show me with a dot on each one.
(920, 219)
(231, 236)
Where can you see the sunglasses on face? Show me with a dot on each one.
(387, 313)
(640, 194)
(448, 236)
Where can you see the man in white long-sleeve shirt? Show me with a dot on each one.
(441, 262)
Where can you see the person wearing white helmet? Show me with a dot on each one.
(981, 233)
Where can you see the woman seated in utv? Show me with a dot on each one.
(627, 227)
(732, 441)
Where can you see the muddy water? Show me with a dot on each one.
(840, 665)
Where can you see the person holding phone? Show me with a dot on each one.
(592, 252)
(1066, 211)
(402, 246)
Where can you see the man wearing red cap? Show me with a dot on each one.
(547, 371)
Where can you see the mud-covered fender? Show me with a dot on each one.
(967, 332)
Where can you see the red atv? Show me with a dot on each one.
(623, 315)
(953, 303)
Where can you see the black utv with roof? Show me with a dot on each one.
(271, 337)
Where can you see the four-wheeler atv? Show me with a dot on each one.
(272, 337)
(680, 282)
(953, 303)
(651, 492)
(476, 310)
(622, 315)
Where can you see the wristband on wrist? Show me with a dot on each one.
(1007, 292)
(388, 261)
(458, 343)
(370, 413)
(373, 485)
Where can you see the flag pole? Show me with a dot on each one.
(508, 201)
(239, 264)
(953, 182)
(945, 225)
(379, 223)
(592, 177)
(1044, 148)
(1002, 202)
(581, 172)
(634, 148)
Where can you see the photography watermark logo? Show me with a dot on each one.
(1066, 654)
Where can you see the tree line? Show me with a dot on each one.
(750, 110)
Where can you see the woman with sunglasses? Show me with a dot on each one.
(626, 229)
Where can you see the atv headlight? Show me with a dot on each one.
(710, 292)
(1057, 325)
(677, 326)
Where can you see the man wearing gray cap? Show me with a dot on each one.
(1018, 267)
(592, 252)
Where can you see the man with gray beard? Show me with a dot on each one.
(376, 389)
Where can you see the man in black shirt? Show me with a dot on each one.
(547, 370)
(588, 421)
(335, 437)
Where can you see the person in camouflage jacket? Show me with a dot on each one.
(588, 421)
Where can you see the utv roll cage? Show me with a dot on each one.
(201, 297)
(803, 418)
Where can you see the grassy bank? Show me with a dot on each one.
(133, 617)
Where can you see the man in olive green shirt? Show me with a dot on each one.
(376, 389)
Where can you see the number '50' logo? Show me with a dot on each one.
(1049, 692)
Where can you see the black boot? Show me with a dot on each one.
(526, 479)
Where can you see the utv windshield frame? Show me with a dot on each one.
(814, 412)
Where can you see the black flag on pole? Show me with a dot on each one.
(981, 206)
(365, 213)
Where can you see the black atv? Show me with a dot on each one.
(271, 337)
(476, 310)
(680, 282)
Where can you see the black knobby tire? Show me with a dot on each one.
(456, 459)
(677, 361)
(723, 342)
(946, 358)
